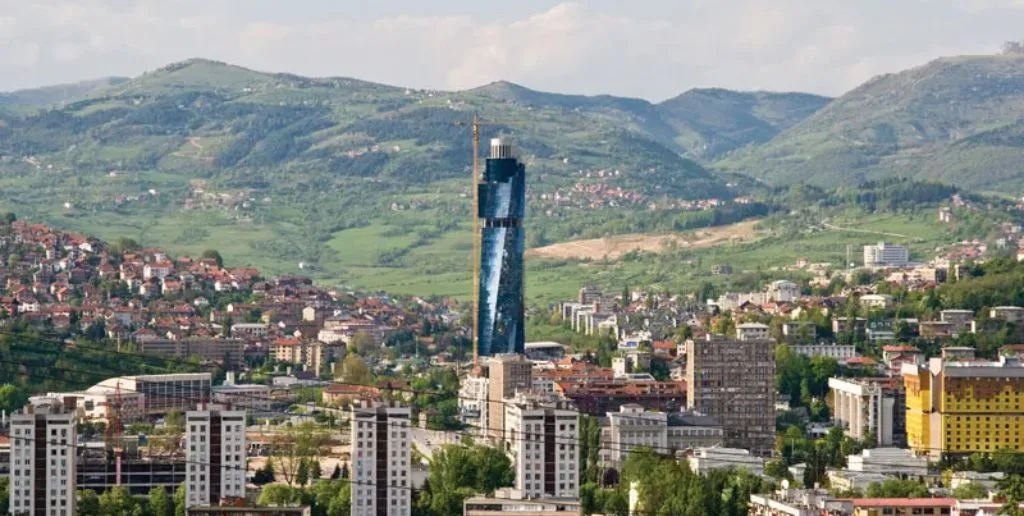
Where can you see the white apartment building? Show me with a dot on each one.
(473, 403)
(752, 331)
(250, 330)
(868, 406)
(381, 461)
(42, 478)
(783, 291)
(886, 255)
(543, 439)
(216, 456)
(889, 461)
(839, 352)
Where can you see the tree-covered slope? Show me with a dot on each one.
(953, 119)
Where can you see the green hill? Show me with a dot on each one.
(953, 119)
(50, 95)
(357, 182)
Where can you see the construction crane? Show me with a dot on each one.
(476, 123)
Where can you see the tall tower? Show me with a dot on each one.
(43, 441)
(501, 206)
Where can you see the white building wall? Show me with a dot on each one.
(200, 439)
(367, 424)
(57, 434)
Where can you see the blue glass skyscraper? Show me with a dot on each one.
(501, 206)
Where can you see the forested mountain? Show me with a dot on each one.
(49, 95)
(956, 120)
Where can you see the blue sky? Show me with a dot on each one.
(653, 49)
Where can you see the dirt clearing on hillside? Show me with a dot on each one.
(615, 246)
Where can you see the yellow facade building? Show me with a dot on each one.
(962, 405)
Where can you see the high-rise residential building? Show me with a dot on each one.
(542, 436)
(42, 478)
(216, 456)
(886, 255)
(733, 381)
(959, 406)
(502, 204)
(507, 374)
(870, 408)
(381, 485)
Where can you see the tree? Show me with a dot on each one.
(119, 502)
(179, 500)
(160, 502)
(214, 254)
(12, 398)
(264, 475)
(302, 476)
(458, 471)
(355, 370)
(970, 491)
(88, 503)
(897, 488)
(777, 469)
(1011, 488)
(337, 472)
(363, 344)
(127, 245)
(280, 495)
(175, 421)
(5, 493)
(291, 451)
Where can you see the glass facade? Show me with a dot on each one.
(502, 203)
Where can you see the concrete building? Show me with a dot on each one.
(1012, 314)
(733, 381)
(960, 319)
(252, 331)
(783, 291)
(800, 332)
(230, 352)
(870, 407)
(252, 397)
(752, 331)
(473, 404)
(886, 255)
(876, 301)
(216, 456)
(42, 479)
(162, 393)
(902, 506)
(960, 405)
(235, 510)
(542, 436)
(381, 461)
(633, 427)
(704, 460)
(511, 502)
(889, 461)
(841, 353)
(598, 397)
(798, 502)
(508, 373)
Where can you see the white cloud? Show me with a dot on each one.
(815, 45)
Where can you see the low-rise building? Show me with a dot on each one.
(1012, 314)
(703, 460)
(513, 503)
(902, 506)
(891, 461)
(876, 301)
(798, 502)
(840, 352)
(752, 331)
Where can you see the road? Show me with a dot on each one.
(426, 441)
(855, 230)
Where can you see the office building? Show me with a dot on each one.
(42, 478)
(733, 381)
(633, 427)
(542, 436)
(886, 255)
(507, 374)
(890, 461)
(704, 460)
(158, 394)
(870, 407)
(502, 204)
(216, 456)
(959, 405)
(381, 485)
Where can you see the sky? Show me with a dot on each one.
(653, 49)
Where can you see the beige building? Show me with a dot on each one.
(507, 373)
(733, 381)
(870, 406)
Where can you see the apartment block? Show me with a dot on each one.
(542, 436)
(42, 477)
(216, 456)
(380, 461)
(634, 427)
(507, 373)
(733, 381)
(870, 407)
(961, 405)
(886, 255)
